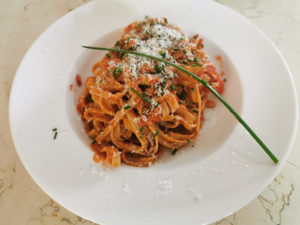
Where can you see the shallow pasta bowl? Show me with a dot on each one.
(223, 171)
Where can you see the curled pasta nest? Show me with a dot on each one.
(134, 108)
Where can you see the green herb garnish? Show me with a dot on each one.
(156, 133)
(141, 96)
(155, 106)
(195, 111)
(189, 141)
(117, 72)
(159, 68)
(121, 55)
(173, 86)
(108, 55)
(89, 98)
(205, 84)
(127, 107)
(142, 132)
(197, 64)
(181, 96)
(163, 54)
(55, 133)
(174, 151)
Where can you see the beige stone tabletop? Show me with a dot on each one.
(23, 202)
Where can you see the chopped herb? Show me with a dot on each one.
(127, 107)
(156, 133)
(225, 79)
(89, 98)
(175, 49)
(181, 39)
(108, 55)
(117, 43)
(141, 96)
(165, 20)
(173, 86)
(121, 55)
(159, 68)
(144, 95)
(164, 82)
(146, 17)
(101, 81)
(174, 151)
(195, 60)
(163, 54)
(189, 60)
(202, 46)
(197, 64)
(189, 141)
(193, 89)
(55, 135)
(142, 133)
(182, 96)
(195, 111)
(195, 36)
(155, 106)
(54, 129)
(184, 62)
(184, 51)
(117, 72)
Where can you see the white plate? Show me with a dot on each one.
(223, 172)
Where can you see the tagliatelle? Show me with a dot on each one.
(133, 108)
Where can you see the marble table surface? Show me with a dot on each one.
(23, 202)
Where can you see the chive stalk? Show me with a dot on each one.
(139, 94)
(205, 84)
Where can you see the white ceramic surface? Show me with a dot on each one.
(200, 185)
